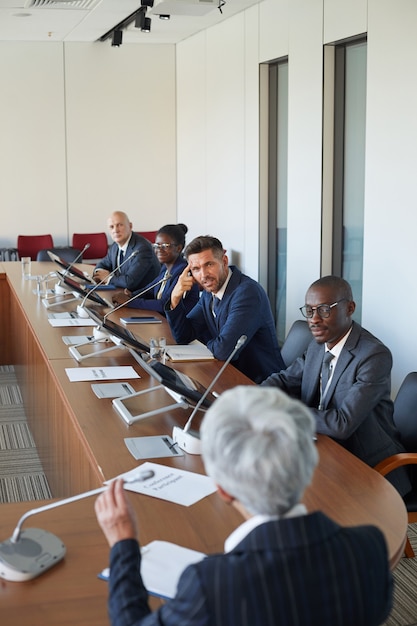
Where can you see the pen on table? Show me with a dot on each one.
(139, 477)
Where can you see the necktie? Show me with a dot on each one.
(162, 287)
(215, 305)
(325, 375)
(121, 256)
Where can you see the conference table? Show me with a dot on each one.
(81, 443)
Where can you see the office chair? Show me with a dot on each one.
(405, 419)
(29, 245)
(150, 235)
(98, 244)
(296, 341)
(67, 253)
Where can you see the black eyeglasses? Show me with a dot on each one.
(323, 310)
(163, 246)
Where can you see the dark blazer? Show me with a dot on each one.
(358, 408)
(149, 300)
(292, 572)
(137, 272)
(243, 310)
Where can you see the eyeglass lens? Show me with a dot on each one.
(323, 310)
(162, 246)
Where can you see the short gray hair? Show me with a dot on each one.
(257, 444)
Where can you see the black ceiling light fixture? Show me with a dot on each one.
(138, 17)
(117, 38)
(147, 25)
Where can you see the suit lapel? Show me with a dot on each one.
(311, 380)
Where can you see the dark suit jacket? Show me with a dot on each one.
(137, 272)
(243, 310)
(149, 301)
(357, 408)
(298, 571)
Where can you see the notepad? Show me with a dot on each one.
(194, 351)
(69, 321)
(77, 374)
(162, 565)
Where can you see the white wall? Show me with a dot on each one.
(32, 140)
(218, 141)
(85, 129)
(390, 254)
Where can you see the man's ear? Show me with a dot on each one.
(351, 307)
(224, 495)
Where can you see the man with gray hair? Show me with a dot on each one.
(282, 565)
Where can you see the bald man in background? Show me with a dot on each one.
(135, 272)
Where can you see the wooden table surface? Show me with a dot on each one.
(81, 442)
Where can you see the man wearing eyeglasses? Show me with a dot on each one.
(130, 262)
(348, 389)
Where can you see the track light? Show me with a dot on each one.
(147, 23)
(164, 16)
(117, 38)
(140, 19)
(147, 3)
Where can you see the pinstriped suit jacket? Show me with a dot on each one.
(301, 571)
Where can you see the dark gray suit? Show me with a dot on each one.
(357, 409)
(137, 272)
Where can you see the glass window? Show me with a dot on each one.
(277, 193)
(349, 165)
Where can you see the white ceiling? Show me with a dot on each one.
(88, 20)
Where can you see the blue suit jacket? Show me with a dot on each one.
(357, 408)
(149, 300)
(137, 272)
(243, 310)
(292, 572)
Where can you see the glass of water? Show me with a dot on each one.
(26, 266)
(157, 348)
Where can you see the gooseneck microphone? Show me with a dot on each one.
(79, 256)
(138, 295)
(80, 307)
(60, 289)
(30, 552)
(187, 440)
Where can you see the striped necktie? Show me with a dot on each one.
(325, 375)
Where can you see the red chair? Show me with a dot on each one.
(150, 235)
(98, 244)
(29, 245)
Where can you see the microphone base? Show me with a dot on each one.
(34, 553)
(188, 441)
(60, 290)
(81, 312)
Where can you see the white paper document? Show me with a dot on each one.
(172, 484)
(70, 321)
(162, 565)
(194, 351)
(77, 374)
(65, 315)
